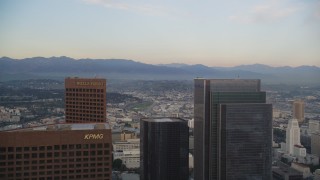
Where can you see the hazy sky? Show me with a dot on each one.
(210, 32)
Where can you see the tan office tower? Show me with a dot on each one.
(315, 143)
(298, 110)
(85, 100)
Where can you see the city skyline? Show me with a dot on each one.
(276, 32)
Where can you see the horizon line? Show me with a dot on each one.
(172, 63)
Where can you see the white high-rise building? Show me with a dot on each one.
(292, 135)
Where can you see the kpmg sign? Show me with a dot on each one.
(88, 83)
(93, 136)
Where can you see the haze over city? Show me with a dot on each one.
(213, 33)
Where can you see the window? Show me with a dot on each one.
(26, 156)
(64, 154)
(2, 149)
(56, 154)
(71, 146)
(10, 149)
(10, 157)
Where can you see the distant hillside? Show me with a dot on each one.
(61, 67)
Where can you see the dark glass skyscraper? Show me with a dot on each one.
(232, 130)
(164, 145)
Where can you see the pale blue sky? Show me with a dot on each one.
(210, 32)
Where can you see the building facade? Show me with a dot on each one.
(57, 152)
(164, 149)
(298, 110)
(130, 158)
(292, 135)
(315, 144)
(85, 100)
(129, 144)
(232, 130)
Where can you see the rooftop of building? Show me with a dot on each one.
(300, 164)
(298, 146)
(84, 78)
(65, 126)
(164, 119)
(128, 141)
(283, 168)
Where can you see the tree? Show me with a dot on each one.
(116, 164)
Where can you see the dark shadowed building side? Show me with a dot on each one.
(164, 146)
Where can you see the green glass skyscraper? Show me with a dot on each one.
(232, 130)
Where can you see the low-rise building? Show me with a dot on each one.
(130, 158)
(305, 170)
(317, 174)
(284, 172)
(129, 144)
(9, 115)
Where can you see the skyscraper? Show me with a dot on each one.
(298, 110)
(164, 145)
(232, 130)
(292, 135)
(85, 100)
(315, 143)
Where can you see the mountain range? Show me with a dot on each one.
(61, 67)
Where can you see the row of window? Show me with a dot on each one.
(70, 117)
(95, 114)
(85, 99)
(22, 176)
(83, 90)
(50, 154)
(86, 167)
(85, 95)
(85, 103)
(54, 147)
(99, 161)
(84, 109)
